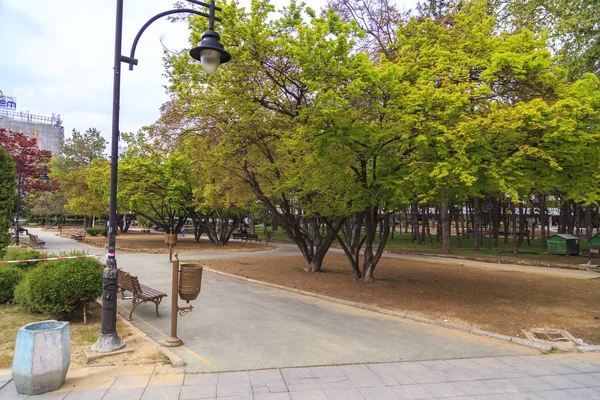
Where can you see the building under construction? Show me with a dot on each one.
(48, 131)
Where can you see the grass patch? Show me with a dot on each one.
(13, 317)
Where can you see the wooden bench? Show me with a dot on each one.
(141, 293)
(80, 235)
(35, 241)
(251, 236)
(239, 236)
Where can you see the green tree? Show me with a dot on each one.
(572, 26)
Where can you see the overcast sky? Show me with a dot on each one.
(56, 56)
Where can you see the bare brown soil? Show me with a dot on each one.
(155, 244)
(500, 301)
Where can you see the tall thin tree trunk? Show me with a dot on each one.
(544, 220)
(476, 224)
(514, 228)
(445, 222)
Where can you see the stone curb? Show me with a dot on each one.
(475, 331)
(176, 361)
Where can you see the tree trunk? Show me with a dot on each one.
(429, 240)
(457, 227)
(476, 224)
(588, 220)
(522, 221)
(544, 220)
(445, 224)
(514, 228)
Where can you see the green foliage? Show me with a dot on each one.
(7, 197)
(60, 287)
(19, 253)
(9, 278)
(95, 231)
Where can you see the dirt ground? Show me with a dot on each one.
(154, 244)
(498, 301)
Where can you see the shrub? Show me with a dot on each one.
(59, 287)
(17, 253)
(9, 278)
(93, 230)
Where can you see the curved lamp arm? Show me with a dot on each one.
(131, 60)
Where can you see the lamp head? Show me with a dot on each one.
(210, 52)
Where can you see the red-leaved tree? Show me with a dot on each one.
(31, 160)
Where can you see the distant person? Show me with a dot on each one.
(182, 232)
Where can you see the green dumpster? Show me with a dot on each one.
(565, 244)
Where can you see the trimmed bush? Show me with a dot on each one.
(9, 278)
(17, 253)
(93, 231)
(59, 287)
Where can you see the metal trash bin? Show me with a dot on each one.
(190, 281)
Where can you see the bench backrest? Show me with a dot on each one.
(128, 282)
(252, 236)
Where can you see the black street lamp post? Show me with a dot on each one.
(44, 177)
(211, 54)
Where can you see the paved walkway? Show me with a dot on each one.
(547, 377)
(241, 326)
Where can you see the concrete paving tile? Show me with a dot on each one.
(344, 385)
(233, 389)
(533, 384)
(560, 382)
(130, 382)
(271, 375)
(581, 366)
(270, 388)
(441, 390)
(3, 382)
(200, 379)
(162, 393)
(426, 377)
(124, 394)
(581, 394)
(437, 366)
(343, 394)
(166, 380)
(390, 374)
(326, 372)
(272, 396)
(502, 386)
(410, 367)
(361, 376)
(587, 380)
(525, 396)
(411, 392)
(240, 397)
(309, 395)
(230, 377)
(460, 398)
(295, 373)
(463, 364)
(378, 393)
(304, 387)
(86, 394)
(474, 388)
(50, 396)
(491, 397)
(456, 376)
(9, 392)
(189, 392)
(483, 374)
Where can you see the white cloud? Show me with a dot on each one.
(57, 57)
